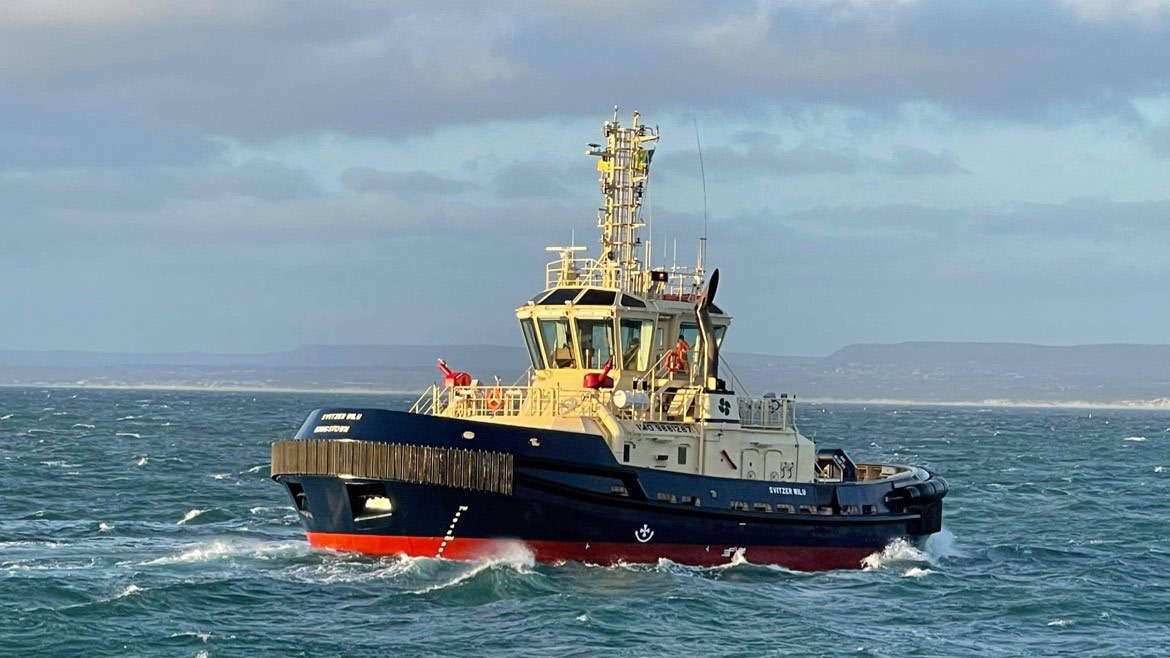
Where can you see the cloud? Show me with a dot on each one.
(367, 179)
(767, 158)
(260, 71)
(1158, 139)
(544, 176)
(1102, 11)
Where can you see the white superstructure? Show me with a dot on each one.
(663, 404)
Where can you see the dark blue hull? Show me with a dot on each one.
(563, 496)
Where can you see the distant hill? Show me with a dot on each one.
(921, 371)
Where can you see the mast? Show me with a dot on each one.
(624, 166)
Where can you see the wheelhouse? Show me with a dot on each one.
(571, 329)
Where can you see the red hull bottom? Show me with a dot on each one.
(800, 558)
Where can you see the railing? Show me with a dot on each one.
(770, 412)
(489, 400)
(681, 284)
(505, 401)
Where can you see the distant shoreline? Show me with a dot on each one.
(1122, 405)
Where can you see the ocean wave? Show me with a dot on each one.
(225, 548)
(105, 527)
(129, 434)
(1134, 438)
(190, 515)
(898, 550)
(142, 461)
(6, 416)
(130, 590)
(917, 572)
(82, 425)
(128, 418)
(1061, 623)
(514, 556)
(204, 637)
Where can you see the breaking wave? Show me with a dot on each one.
(190, 515)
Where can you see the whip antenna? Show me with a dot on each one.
(703, 175)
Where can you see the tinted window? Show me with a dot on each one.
(561, 295)
(557, 349)
(632, 302)
(596, 338)
(533, 346)
(597, 298)
(636, 346)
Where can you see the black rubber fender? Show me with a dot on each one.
(919, 493)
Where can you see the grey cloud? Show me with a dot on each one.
(407, 69)
(544, 176)
(909, 161)
(367, 179)
(1158, 139)
(808, 159)
(148, 189)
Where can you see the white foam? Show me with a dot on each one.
(205, 637)
(258, 510)
(82, 425)
(917, 572)
(190, 515)
(130, 589)
(223, 548)
(512, 555)
(128, 418)
(898, 550)
(1134, 438)
(6, 416)
(582, 617)
(130, 434)
(105, 527)
(942, 544)
(142, 461)
(1158, 469)
(256, 469)
(1061, 623)
(221, 476)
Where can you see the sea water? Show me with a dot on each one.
(144, 523)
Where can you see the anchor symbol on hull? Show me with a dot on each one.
(644, 534)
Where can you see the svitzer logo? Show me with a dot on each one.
(644, 534)
(724, 406)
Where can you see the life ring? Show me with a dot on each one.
(674, 361)
(494, 399)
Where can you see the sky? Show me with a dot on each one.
(231, 176)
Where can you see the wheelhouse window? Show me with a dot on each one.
(533, 346)
(558, 349)
(689, 334)
(596, 338)
(720, 329)
(636, 336)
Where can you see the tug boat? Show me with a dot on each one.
(622, 443)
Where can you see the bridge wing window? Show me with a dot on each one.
(533, 345)
(596, 338)
(558, 349)
(690, 333)
(720, 330)
(636, 337)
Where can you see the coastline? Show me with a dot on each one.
(1160, 404)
